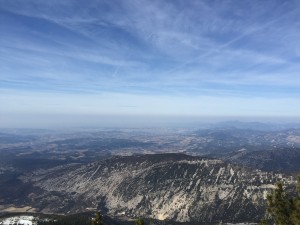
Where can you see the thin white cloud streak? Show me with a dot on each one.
(142, 20)
(75, 52)
(238, 56)
(221, 47)
(171, 33)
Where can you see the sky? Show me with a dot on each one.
(66, 61)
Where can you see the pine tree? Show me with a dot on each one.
(279, 206)
(295, 215)
(263, 222)
(139, 222)
(283, 210)
(97, 220)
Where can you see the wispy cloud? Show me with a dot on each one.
(233, 49)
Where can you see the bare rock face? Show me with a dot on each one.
(163, 186)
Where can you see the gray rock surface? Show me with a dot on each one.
(163, 186)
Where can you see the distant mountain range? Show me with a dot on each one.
(253, 125)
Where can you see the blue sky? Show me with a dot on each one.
(226, 58)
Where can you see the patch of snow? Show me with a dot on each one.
(20, 220)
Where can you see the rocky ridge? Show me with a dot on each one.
(163, 186)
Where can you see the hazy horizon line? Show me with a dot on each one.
(69, 121)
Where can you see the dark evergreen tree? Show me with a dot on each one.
(139, 222)
(263, 222)
(97, 220)
(295, 215)
(279, 206)
(283, 210)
